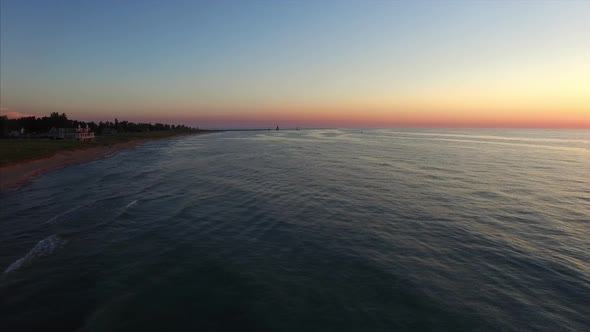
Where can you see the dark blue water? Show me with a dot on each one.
(326, 230)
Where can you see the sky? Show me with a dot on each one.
(257, 64)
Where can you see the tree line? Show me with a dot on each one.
(41, 125)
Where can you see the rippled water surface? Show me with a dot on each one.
(327, 230)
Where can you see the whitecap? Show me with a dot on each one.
(43, 248)
(61, 214)
(130, 204)
(57, 216)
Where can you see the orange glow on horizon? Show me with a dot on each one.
(355, 115)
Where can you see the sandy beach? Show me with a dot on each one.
(14, 175)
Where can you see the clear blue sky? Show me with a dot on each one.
(302, 61)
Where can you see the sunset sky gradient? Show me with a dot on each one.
(300, 63)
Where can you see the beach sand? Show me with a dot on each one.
(14, 175)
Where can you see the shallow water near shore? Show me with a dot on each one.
(379, 230)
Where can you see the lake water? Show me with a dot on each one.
(325, 230)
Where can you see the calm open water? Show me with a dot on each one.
(326, 230)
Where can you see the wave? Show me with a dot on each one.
(56, 217)
(496, 137)
(43, 248)
(493, 142)
(130, 204)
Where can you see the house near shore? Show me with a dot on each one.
(80, 134)
(16, 133)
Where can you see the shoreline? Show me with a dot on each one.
(15, 175)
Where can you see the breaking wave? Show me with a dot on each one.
(130, 204)
(43, 248)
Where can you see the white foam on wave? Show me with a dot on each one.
(130, 204)
(57, 216)
(61, 214)
(43, 248)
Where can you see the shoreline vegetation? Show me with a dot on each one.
(28, 150)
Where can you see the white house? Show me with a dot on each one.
(81, 134)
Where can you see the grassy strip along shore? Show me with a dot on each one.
(17, 150)
(24, 158)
